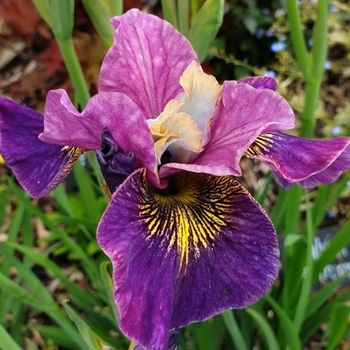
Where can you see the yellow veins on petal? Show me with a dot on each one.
(191, 216)
(261, 145)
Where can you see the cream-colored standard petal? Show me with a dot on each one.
(202, 93)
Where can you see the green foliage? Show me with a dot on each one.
(296, 309)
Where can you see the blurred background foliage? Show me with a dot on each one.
(48, 251)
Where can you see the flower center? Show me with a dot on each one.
(182, 128)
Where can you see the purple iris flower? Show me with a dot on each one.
(186, 240)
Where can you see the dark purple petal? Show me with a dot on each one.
(146, 61)
(115, 111)
(186, 253)
(297, 160)
(115, 165)
(242, 115)
(260, 82)
(38, 166)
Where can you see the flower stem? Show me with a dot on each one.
(74, 70)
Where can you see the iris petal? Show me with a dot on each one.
(146, 61)
(260, 82)
(38, 166)
(115, 111)
(243, 113)
(183, 254)
(297, 160)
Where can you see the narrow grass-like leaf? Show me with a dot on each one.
(293, 261)
(62, 18)
(79, 296)
(39, 299)
(57, 335)
(100, 15)
(307, 276)
(265, 328)
(7, 341)
(87, 334)
(314, 321)
(86, 189)
(43, 8)
(287, 325)
(205, 26)
(234, 331)
(107, 282)
(183, 10)
(170, 12)
(318, 298)
(338, 324)
(339, 241)
(292, 218)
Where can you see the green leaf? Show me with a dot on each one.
(205, 26)
(234, 331)
(289, 331)
(87, 334)
(62, 16)
(339, 241)
(100, 16)
(338, 324)
(170, 12)
(265, 328)
(7, 342)
(317, 299)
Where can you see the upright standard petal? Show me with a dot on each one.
(38, 166)
(297, 160)
(186, 253)
(114, 111)
(146, 61)
(243, 113)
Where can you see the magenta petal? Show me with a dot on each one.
(146, 61)
(115, 111)
(38, 166)
(184, 257)
(306, 162)
(242, 115)
(260, 82)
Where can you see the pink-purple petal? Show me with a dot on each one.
(260, 82)
(38, 166)
(146, 61)
(158, 286)
(306, 162)
(244, 112)
(112, 110)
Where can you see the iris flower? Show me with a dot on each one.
(186, 240)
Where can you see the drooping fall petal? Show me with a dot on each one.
(297, 160)
(38, 166)
(185, 253)
(114, 111)
(146, 61)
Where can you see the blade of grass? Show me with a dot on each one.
(307, 277)
(170, 12)
(339, 241)
(265, 328)
(6, 340)
(290, 333)
(338, 325)
(87, 334)
(234, 331)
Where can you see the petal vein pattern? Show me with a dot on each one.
(185, 253)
